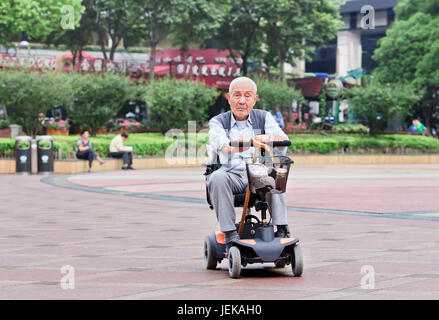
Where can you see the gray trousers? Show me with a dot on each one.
(222, 185)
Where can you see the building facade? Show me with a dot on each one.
(365, 22)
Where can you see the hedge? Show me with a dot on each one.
(155, 144)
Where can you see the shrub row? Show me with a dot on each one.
(155, 144)
(324, 144)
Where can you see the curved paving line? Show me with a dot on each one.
(62, 181)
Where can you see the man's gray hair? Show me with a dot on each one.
(240, 80)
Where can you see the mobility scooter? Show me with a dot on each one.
(258, 242)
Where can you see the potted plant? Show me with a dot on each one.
(5, 131)
(60, 127)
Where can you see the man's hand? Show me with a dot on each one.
(265, 138)
(230, 149)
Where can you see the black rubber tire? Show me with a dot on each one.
(210, 261)
(234, 262)
(297, 261)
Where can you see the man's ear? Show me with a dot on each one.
(227, 96)
(256, 98)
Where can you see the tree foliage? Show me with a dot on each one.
(293, 28)
(98, 98)
(37, 18)
(375, 104)
(275, 94)
(408, 54)
(175, 102)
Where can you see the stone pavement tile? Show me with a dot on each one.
(391, 295)
(83, 292)
(27, 274)
(107, 263)
(283, 279)
(222, 293)
(379, 267)
(69, 250)
(424, 285)
(162, 278)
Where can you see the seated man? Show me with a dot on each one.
(241, 124)
(118, 150)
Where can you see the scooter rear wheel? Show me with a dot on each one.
(297, 261)
(234, 258)
(210, 261)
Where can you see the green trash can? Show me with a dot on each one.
(23, 155)
(45, 154)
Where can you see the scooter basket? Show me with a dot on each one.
(270, 176)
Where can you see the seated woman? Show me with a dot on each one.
(118, 150)
(84, 150)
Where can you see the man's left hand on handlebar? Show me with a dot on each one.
(265, 138)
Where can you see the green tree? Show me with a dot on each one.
(407, 54)
(294, 27)
(240, 32)
(37, 18)
(375, 104)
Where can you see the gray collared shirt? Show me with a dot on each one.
(218, 138)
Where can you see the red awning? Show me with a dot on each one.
(310, 87)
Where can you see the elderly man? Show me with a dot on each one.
(118, 150)
(241, 124)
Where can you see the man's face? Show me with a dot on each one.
(242, 100)
(85, 135)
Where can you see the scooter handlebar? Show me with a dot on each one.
(242, 144)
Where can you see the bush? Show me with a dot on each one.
(28, 94)
(173, 103)
(97, 98)
(4, 124)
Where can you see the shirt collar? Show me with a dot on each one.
(233, 121)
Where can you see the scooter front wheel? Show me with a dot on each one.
(234, 262)
(297, 261)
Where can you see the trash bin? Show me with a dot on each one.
(23, 155)
(45, 154)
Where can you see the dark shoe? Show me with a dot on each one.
(124, 168)
(130, 168)
(229, 237)
(283, 231)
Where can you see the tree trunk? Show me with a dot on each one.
(282, 72)
(114, 47)
(247, 53)
(153, 46)
(101, 35)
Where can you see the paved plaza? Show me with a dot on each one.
(367, 232)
